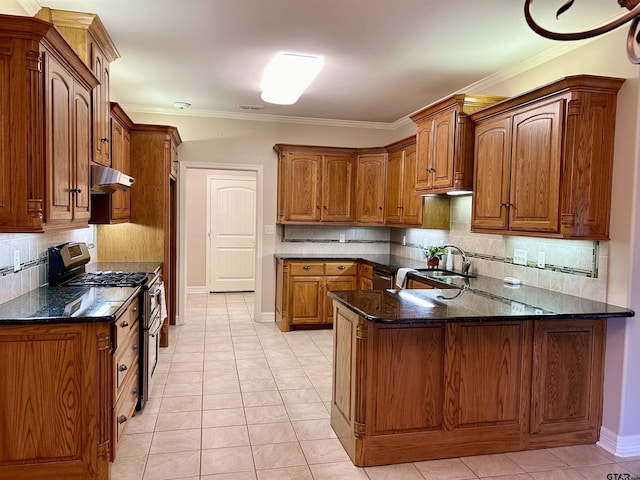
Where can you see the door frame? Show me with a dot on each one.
(208, 244)
(182, 260)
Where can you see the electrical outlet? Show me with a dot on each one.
(519, 257)
(404, 240)
(270, 229)
(517, 308)
(342, 238)
(16, 260)
(541, 260)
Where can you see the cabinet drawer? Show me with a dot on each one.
(341, 268)
(126, 404)
(306, 268)
(366, 271)
(126, 323)
(127, 356)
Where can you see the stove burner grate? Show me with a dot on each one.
(109, 279)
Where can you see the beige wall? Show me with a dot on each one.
(195, 223)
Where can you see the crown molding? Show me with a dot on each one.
(30, 6)
(256, 117)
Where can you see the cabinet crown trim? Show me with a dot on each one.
(467, 103)
(590, 83)
(82, 21)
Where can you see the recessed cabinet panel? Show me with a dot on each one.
(492, 173)
(59, 144)
(443, 134)
(338, 181)
(304, 187)
(393, 195)
(407, 380)
(535, 168)
(370, 189)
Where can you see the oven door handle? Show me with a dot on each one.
(155, 326)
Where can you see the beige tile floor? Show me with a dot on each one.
(239, 400)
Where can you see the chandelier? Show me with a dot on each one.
(633, 38)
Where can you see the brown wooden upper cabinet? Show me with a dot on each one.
(45, 92)
(543, 161)
(315, 184)
(444, 140)
(402, 205)
(87, 35)
(116, 207)
(370, 187)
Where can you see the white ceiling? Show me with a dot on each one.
(383, 59)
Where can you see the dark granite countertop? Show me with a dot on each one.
(47, 305)
(467, 304)
(477, 298)
(387, 263)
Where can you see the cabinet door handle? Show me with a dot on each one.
(135, 309)
(104, 140)
(506, 204)
(135, 346)
(125, 324)
(123, 368)
(325, 207)
(122, 419)
(134, 391)
(318, 207)
(341, 267)
(400, 207)
(76, 190)
(307, 267)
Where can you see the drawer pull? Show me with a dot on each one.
(134, 346)
(122, 419)
(307, 267)
(123, 368)
(341, 267)
(134, 391)
(135, 309)
(125, 324)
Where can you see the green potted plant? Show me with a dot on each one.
(433, 255)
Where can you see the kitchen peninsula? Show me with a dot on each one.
(428, 374)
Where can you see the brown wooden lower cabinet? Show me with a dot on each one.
(301, 291)
(55, 401)
(67, 392)
(404, 393)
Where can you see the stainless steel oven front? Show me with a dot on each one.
(150, 337)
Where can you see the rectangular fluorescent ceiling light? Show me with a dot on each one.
(287, 76)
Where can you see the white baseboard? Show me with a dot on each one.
(266, 317)
(202, 289)
(628, 446)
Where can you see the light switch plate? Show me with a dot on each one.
(519, 257)
(541, 260)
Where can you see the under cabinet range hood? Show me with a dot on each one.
(109, 180)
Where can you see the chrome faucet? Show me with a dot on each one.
(466, 264)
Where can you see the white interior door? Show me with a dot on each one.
(232, 233)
